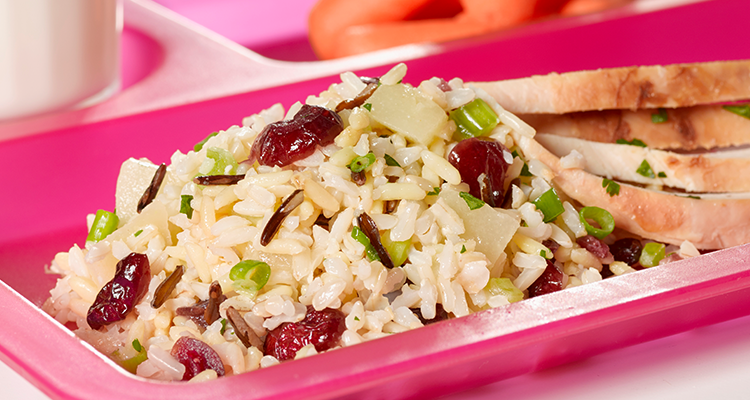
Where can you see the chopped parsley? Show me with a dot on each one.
(390, 161)
(661, 174)
(356, 318)
(435, 191)
(463, 248)
(367, 106)
(743, 110)
(471, 201)
(612, 187)
(138, 233)
(223, 325)
(645, 170)
(634, 142)
(137, 345)
(693, 197)
(525, 170)
(185, 206)
(660, 116)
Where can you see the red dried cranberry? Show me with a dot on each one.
(627, 250)
(120, 295)
(284, 142)
(595, 246)
(196, 356)
(482, 166)
(323, 329)
(550, 281)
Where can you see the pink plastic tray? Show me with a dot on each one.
(53, 178)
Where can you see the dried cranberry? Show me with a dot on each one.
(196, 356)
(120, 295)
(627, 250)
(595, 246)
(482, 166)
(550, 281)
(284, 142)
(323, 329)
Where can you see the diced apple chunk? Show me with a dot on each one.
(491, 228)
(404, 110)
(135, 176)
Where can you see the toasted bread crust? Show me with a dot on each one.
(661, 216)
(690, 128)
(671, 86)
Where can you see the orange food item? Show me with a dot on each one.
(339, 28)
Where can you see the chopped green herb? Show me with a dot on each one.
(131, 364)
(224, 162)
(645, 170)
(398, 251)
(463, 249)
(367, 106)
(356, 318)
(434, 192)
(185, 206)
(743, 110)
(549, 204)
(525, 170)
(602, 217)
(105, 223)
(543, 253)
(360, 164)
(662, 174)
(223, 325)
(634, 142)
(138, 233)
(471, 201)
(137, 345)
(514, 153)
(660, 116)
(474, 119)
(693, 197)
(200, 144)
(612, 187)
(390, 161)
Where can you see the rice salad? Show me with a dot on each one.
(219, 284)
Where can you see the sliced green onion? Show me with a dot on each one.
(360, 236)
(223, 325)
(662, 174)
(504, 286)
(399, 251)
(471, 201)
(185, 206)
(390, 161)
(224, 162)
(463, 249)
(474, 119)
(367, 106)
(612, 187)
(601, 217)
(249, 276)
(549, 204)
(525, 170)
(742, 110)
(360, 164)
(660, 116)
(645, 170)
(131, 364)
(198, 146)
(435, 191)
(138, 233)
(652, 253)
(634, 142)
(105, 223)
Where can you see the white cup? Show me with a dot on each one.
(57, 54)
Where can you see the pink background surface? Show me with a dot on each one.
(181, 82)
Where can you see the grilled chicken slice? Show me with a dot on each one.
(672, 86)
(709, 222)
(723, 171)
(690, 128)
